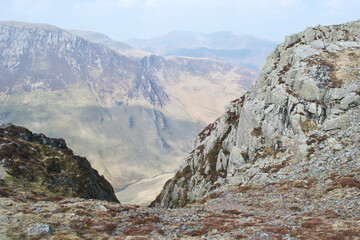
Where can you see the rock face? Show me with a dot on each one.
(300, 120)
(47, 167)
(131, 117)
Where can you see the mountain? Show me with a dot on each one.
(46, 167)
(131, 117)
(307, 187)
(298, 126)
(121, 47)
(239, 50)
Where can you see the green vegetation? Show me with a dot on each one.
(308, 125)
(184, 173)
(256, 132)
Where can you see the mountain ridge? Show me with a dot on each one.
(215, 46)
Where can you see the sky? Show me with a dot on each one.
(124, 19)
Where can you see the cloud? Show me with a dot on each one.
(30, 6)
(334, 4)
(102, 7)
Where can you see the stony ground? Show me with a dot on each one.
(300, 209)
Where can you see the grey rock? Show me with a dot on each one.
(318, 44)
(290, 40)
(336, 123)
(337, 93)
(349, 101)
(38, 229)
(311, 91)
(333, 48)
(306, 51)
(349, 44)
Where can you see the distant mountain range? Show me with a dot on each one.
(121, 47)
(132, 117)
(240, 50)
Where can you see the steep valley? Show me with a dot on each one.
(132, 117)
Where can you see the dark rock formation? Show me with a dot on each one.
(45, 165)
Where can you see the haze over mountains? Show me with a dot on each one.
(121, 47)
(240, 50)
(132, 117)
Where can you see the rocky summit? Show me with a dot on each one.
(281, 163)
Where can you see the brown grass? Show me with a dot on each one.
(295, 208)
(248, 224)
(278, 230)
(134, 231)
(274, 168)
(256, 132)
(348, 182)
(344, 182)
(52, 199)
(196, 233)
(311, 223)
(231, 211)
(3, 193)
(243, 189)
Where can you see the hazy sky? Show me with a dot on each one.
(122, 19)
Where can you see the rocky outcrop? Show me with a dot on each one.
(300, 120)
(46, 167)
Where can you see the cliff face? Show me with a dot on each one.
(46, 167)
(300, 120)
(49, 58)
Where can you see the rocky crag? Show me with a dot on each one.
(46, 167)
(298, 123)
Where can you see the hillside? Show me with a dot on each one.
(131, 117)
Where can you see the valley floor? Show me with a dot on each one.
(144, 191)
